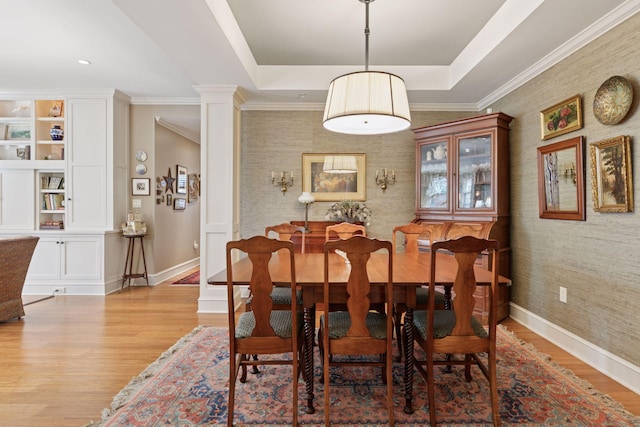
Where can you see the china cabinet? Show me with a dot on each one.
(462, 186)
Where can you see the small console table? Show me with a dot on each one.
(128, 264)
(314, 240)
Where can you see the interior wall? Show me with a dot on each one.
(171, 233)
(275, 141)
(597, 260)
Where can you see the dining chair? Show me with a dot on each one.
(263, 329)
(285, 231)
(344, 230)
(457, 331)
(358, 330)
(281, 296)
(412, 232)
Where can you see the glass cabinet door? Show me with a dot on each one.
(474, 172)
(434, 185)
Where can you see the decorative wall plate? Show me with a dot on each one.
(141, 169)
(613, 100)
(141, 156)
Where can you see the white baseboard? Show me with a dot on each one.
(614, 367)
(161, 276)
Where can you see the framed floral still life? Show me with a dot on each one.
(561, 180)
(334, 177)
(564, 117)
(611, 182)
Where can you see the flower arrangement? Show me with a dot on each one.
(349, 211)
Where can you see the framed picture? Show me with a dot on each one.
(194, 187)
(181, 179)
(334, 177)
(179, 204)
(140, 186)
(611, 182)
(561, 180)
(564, 117)
(17, 131)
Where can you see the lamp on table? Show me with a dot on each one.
(307, 199)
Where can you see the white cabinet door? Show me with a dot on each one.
(68, 258)
(17, 204)
(87, 136)
(45, 263)
(80, 258)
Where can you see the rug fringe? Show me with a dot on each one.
(606, 400)
(138, 382)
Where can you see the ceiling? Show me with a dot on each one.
(453, 54)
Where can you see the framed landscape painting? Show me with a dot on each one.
(611, 183)
(334, 177)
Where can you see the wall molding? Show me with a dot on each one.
(608, 363)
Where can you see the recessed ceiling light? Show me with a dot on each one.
(84, 61)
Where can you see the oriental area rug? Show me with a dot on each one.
(187, 386)
(191, 279)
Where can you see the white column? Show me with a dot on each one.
(220, 172)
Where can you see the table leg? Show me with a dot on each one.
(309, 329)
(144, 261)
(408, 360)
(128, 261)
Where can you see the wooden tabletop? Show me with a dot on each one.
(408, 269)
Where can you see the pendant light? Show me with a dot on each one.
(367, 102)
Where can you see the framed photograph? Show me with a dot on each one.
(611, 182)
(179, 204)
(140, 186)
(194, 187)
(561, 180)
(181, 179)
(17, 131)
(334, 177)
(564, 117)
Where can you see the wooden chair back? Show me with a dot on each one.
(412, 232)
(266, 336)
(285, 231)
(344, 230)
(358, 339)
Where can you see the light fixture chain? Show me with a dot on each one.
(366, 36)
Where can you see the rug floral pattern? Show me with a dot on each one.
(188, 386)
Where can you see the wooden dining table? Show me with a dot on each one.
(410, 271)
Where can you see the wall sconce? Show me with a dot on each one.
(282, 182)
(307, 199)
(386, 179)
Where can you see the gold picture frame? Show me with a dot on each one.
(561, 180)
(334, 186)
(611, 183)
(561, 118)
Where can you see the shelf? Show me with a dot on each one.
(51, 119)
(15, 119)
(50, 142)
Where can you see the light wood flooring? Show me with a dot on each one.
(64, 361)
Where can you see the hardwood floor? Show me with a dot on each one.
(66, 359)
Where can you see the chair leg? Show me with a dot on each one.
(241, 359)
(468, 360)
(234, 366)
(493, 387)
(254, 368)
(431, 390)
(321, 351)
